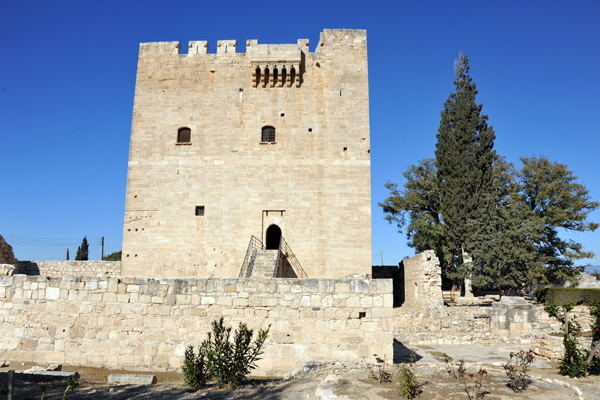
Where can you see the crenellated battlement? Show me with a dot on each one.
(263, 53)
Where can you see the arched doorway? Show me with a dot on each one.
(273, 237)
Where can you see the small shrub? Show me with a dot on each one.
(517, 368)
(72, 384)
(573, 362)
(378, 372)
(43, 387)
(407, 378)
(225, 359)
(195, 367)
(473, 389)
(593, 358)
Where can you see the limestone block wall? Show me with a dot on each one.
(445, 325)
(69, 268)
(422, 281)
(146, 324)
(313, 181)
(526, 324)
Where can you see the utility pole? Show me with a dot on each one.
(102, 258)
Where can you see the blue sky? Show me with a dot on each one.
(67, 78)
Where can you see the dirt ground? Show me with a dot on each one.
(336, 381)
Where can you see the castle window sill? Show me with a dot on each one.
(183, 144)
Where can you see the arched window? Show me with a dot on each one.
(184, 135)
(268, 134)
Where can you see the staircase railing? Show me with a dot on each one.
(286, 251)
(254, 245)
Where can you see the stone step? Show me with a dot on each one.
(264, 263)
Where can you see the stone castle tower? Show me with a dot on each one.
(271, 143)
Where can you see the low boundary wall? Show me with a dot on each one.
(146, 324)
(71, 268)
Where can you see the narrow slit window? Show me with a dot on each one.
(184, 135)
(268, 134)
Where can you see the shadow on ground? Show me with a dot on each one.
(402, 353)
(29, 387)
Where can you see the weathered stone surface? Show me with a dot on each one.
(423, 281)
(82, 321)
(69, 268)
(313, 181)
(51, 374)
(131, 379)
(7, 269)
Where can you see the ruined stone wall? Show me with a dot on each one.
(526, 324)
(136, 323)
(313, 181)
(422, 282)
(69, 268)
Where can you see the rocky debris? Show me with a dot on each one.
(131, 379)
(7, 270)
(6, 253)
(54, 367)
(38, 371)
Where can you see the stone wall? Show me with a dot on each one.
(69, 268)
(445, 325)
(313, 181)
(138, 324)
(422, 281)
(515, 323)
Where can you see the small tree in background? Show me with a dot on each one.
(116, 256)
(82, 251)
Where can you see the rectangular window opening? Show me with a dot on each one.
(362, 314)
(200, 211)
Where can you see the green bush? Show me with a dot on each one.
(195, 367)
(560, 296)
(225, 359)
(407, 378)
(573, 362)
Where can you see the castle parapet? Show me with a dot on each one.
(160, 48)
(197, 47)
(226, 47)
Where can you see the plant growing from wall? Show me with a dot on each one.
(472, 383)
(517, 368)
(407, 378)
(225, 358)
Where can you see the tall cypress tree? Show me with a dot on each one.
(82, 251)
(464, 159)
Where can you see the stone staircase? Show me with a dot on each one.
(264, 264)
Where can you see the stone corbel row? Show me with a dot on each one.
(276, 75)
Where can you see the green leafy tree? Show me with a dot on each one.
(502, 240)
(556, 201)
(116, 256)
(464, 160)
(82, 251)
(417, 208)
